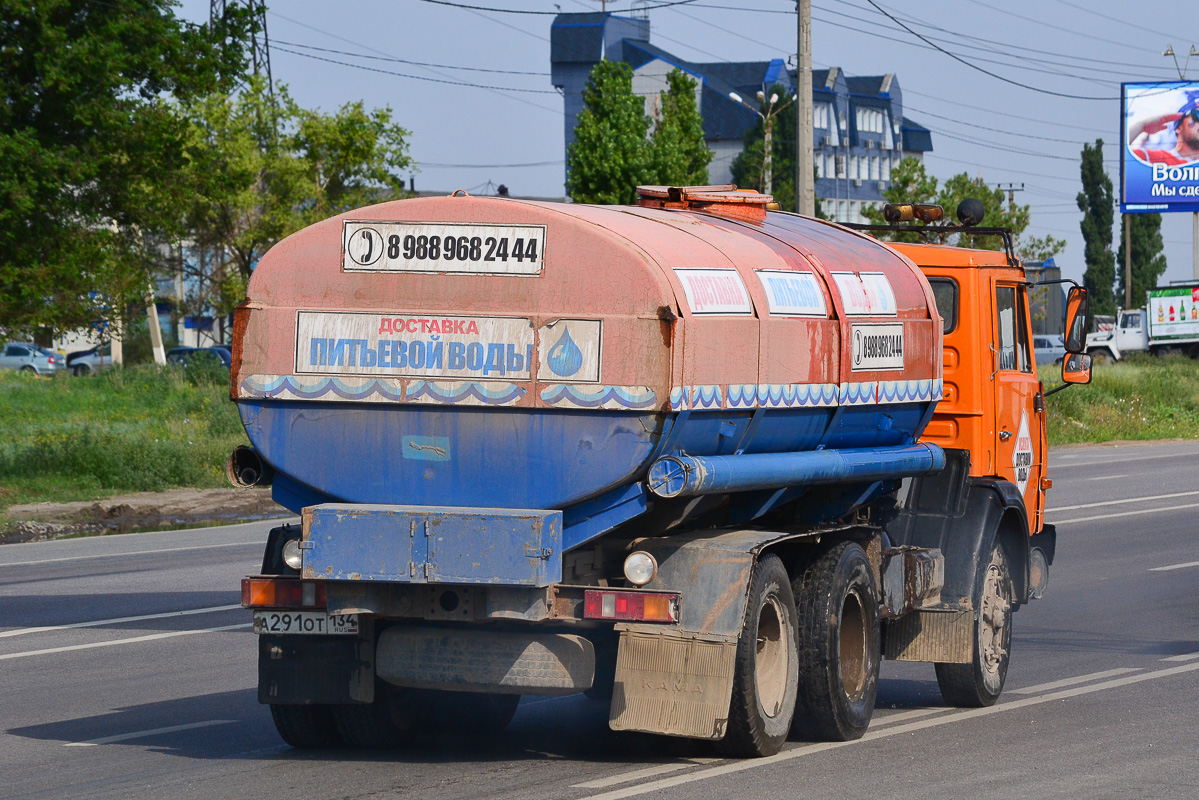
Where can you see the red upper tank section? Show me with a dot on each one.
(697, 298)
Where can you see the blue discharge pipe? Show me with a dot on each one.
(687, 476)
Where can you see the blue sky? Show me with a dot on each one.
(464, 137)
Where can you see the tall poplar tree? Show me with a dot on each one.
(610, 154)
(679, 154)
(1097, 203)
(1148, 260)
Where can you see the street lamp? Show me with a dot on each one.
(767, 123)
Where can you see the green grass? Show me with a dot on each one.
(142, 428)
(1140, 398)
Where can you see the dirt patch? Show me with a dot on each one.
(138, 512)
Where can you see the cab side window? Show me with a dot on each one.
(1012, 340)
(945, 294)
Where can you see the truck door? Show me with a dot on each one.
(1019, 448)
(1130, 334)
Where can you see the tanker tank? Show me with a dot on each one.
(498, 353)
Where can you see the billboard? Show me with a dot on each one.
(1174, 313)
(1159, 163)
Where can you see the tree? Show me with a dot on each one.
(1039, 248)
(1148, 260)
(911, 183)
(610, 155)
(261, 167)
(678, 153)
(90, 148)
(1098, 207)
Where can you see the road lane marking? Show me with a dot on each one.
(891, 719)
(1106, 478)
(627, 777)
(1100, 462)
(1094, 676)
(1183, 657)
(152, 732)
(113, 643)
(163, 615)
(1123, 514)
(1175, 566)
(1126, 500)
(896, 730)
(135, 553)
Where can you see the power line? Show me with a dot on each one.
(645, 7)
(413, 77)
(559, 162)
(997, 76)
(405, 61)
(1052, 26)
(1123, 22)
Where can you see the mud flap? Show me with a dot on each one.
(943, 637)
(672, 685)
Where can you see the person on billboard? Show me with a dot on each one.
(1186, 128)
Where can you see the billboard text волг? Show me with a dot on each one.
(1159, 162)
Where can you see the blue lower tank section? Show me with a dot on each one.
(525, 458)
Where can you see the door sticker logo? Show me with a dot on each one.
(1022, 454)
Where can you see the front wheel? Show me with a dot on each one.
(840, 652)
(766, 672)
(979, 683)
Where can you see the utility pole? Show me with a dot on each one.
(260, 51)
(1011, 190)
(805, 190)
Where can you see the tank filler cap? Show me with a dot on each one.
(725, 200)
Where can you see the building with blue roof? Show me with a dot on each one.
(859, 127)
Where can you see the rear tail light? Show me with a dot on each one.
(630, 606)
(282, 593)
(51, 359)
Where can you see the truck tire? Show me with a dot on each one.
(766, 670)
(840, 645)
(1101, 355)
(979, 683)
(390, 721)
(306, 727)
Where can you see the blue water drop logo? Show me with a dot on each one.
(565, 357)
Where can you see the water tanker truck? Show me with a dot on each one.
(705, 461)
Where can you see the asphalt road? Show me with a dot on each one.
(128, 670)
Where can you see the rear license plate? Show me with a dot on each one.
(305, 622)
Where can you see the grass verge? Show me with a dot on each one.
(142, 428)
(1142, 397)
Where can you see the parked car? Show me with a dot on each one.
(89, 362)
(184, 356)
(28, 357)
(1049, 349)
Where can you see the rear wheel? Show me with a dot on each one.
(391, 720)
(839, 652)
(980, 682)
(765, 675)
(29, 370)
(306, 727)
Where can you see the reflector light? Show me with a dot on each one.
(282, 593)
(630, 606)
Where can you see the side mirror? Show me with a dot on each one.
(1076, 368)
(1077, 311)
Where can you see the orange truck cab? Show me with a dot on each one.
(989, 502)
